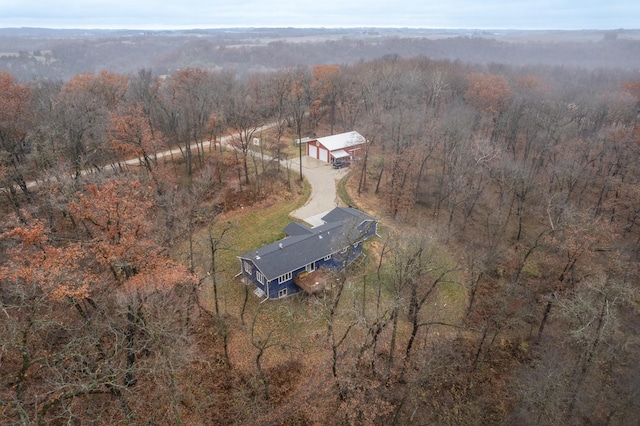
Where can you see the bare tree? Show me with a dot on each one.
(188, 100)
(245, 115)
(300, 102)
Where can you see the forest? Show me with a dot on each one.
(39, 54)
(502, 289)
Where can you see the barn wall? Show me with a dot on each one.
(313, 145)
(355, 151)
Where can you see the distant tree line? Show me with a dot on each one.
(59, 56)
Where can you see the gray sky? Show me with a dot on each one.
(167, 14)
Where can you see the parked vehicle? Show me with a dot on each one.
(339, 163)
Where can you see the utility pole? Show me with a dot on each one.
(300, 146)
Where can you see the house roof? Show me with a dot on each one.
(342, 140)
(295, 228)
(343, 214)
(305, 245)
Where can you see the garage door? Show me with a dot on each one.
(313, 151)
(324, 155)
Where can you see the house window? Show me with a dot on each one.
(285, 277)
(260, 277)
(311, 267)
(282, 293)
(327, 257)
(248, 267)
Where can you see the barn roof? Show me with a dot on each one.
(342, 140)
(304, 246)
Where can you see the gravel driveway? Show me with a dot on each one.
(323, 179)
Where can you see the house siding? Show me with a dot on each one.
(370, 228)
(252, 276)
(340, 219)
(337, 261)
(275, 287)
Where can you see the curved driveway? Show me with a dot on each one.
(323, 178)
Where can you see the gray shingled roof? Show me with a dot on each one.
(305, 245)
(341, 214)
(295, 228)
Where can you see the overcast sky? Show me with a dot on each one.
(159, 14)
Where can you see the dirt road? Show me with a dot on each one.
(322, 177)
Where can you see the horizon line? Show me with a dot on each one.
(315, 27)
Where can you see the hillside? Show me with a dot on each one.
(59, 54)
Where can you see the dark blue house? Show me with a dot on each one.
(276, 269)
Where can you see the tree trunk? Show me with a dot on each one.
(545, 317)
(392, 346)
(379, 179)
(129, 377)
(188, 160)
(244, 303)
(263, 377)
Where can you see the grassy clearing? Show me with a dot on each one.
(300, 321)
(250, 228)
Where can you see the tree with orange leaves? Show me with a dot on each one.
(488, 93)
(16, 119)
(107, 88)
(633, 88)
(327, 85)
(121, 236)
(37, 276)
(83, 109)
(52, 358)
(130, 135)
(32, 260)
(530, 83)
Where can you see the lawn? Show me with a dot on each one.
(300, 321)
(247, 228)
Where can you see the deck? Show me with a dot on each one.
(313, 282)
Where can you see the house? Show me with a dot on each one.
(277, 270)
(344, 145)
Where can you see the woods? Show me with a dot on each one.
(503, 288)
